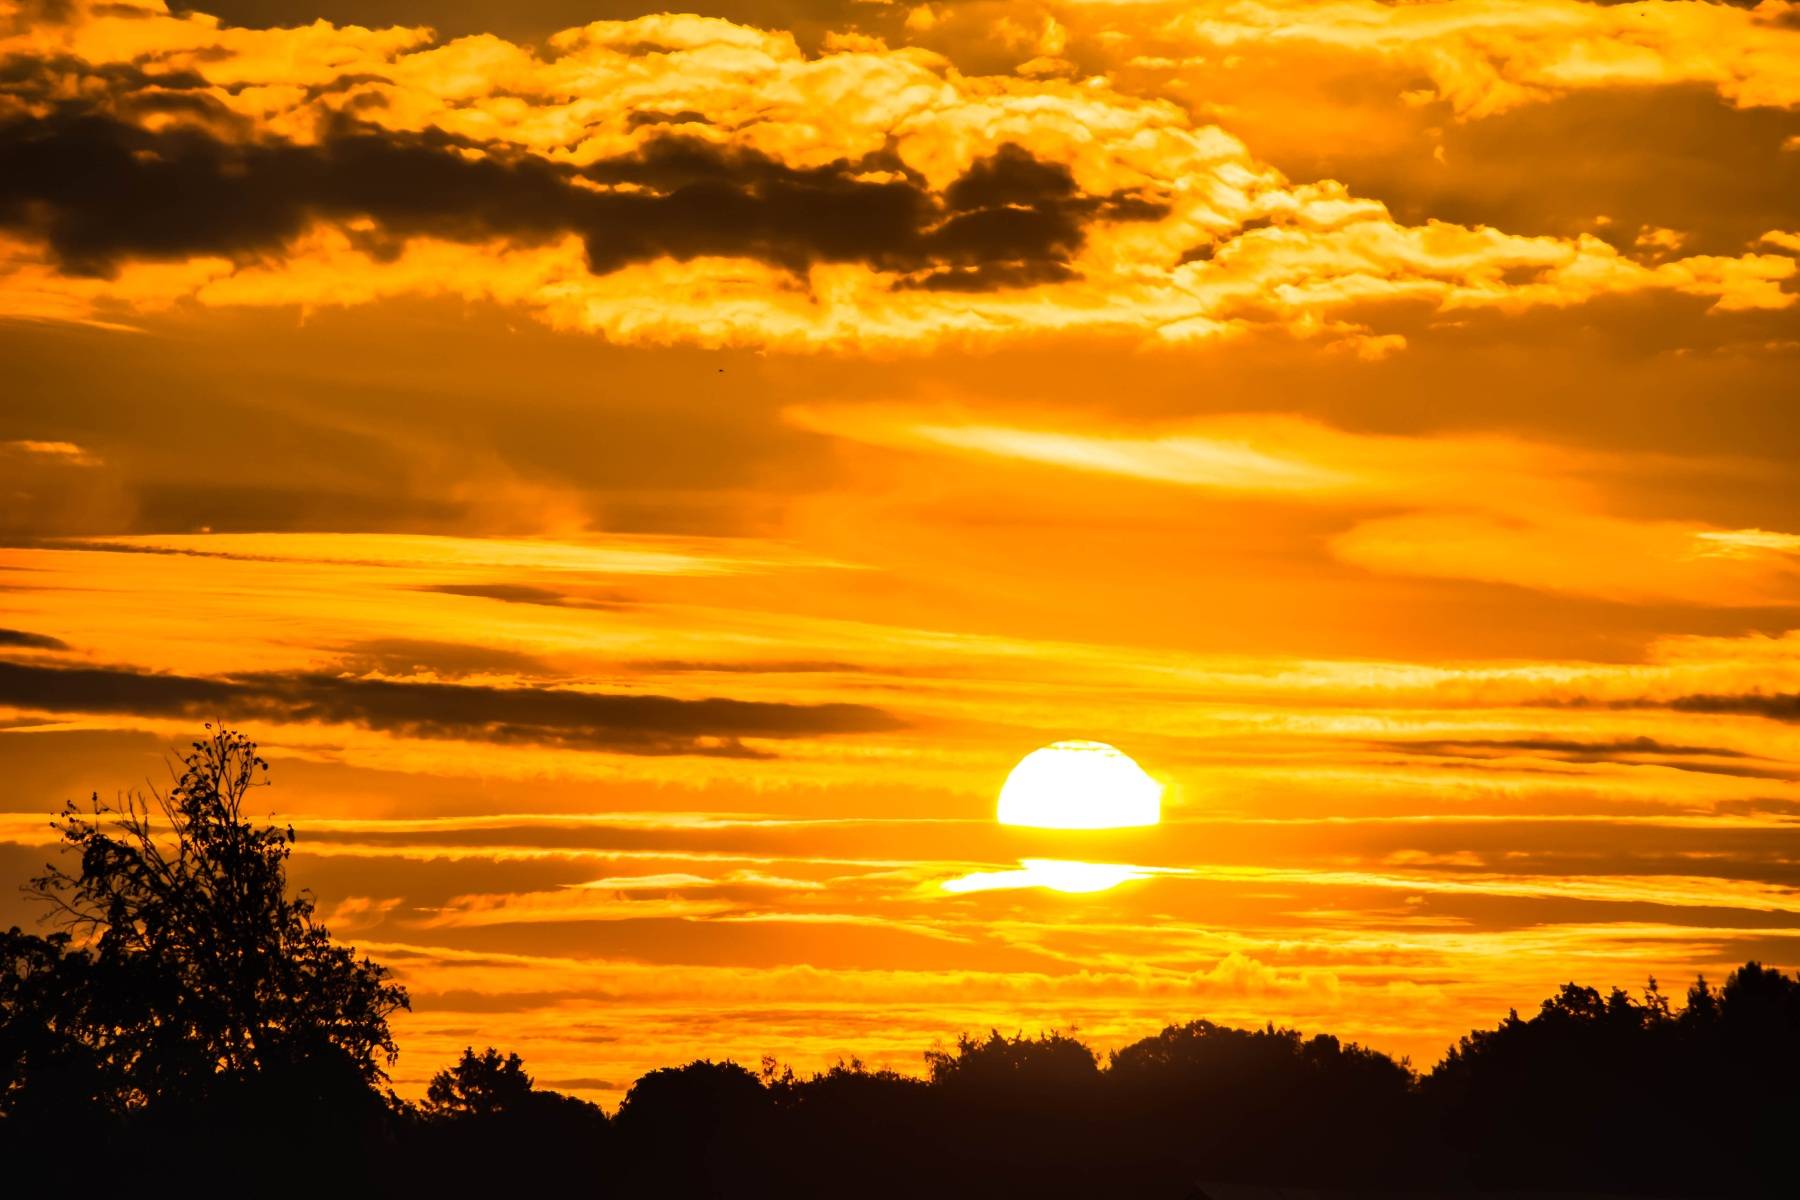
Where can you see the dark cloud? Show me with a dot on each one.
(684, 117)
(1677, 157)
(100, 189)
(521, 593)
(31, 641)
(809, 19)
(1776, 706)
(1759, 806)
(1624, 752)
(579, 1083)
(631, 724)
(785, 667)
(1460, 747)
(411, 656)
(254, 508)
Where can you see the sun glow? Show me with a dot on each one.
(1058, 875)
(1079, 785)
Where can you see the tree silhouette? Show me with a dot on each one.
(52, 1069)
(1230, 1101)
(705, 1129)
(1047, 1064)
(483, 1117)
(479, 1086)
(181, 903)
(851, 1123)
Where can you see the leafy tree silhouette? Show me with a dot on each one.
(849, 1122)
(705, 1129)
(195, 908)
(1018, 1066)
(187, 986)
(52, 1069)
(1230, 1101)
(483, 1117)
(479, 1086)
(1023, 1110)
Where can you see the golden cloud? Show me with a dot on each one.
(686, 179)
(1481, 56)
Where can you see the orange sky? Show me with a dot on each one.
(645, 479)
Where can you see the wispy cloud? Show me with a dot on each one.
(65, 453)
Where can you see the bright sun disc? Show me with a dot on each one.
(1079, 785)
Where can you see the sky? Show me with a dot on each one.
(645, 478)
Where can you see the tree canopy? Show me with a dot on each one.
(183, 960)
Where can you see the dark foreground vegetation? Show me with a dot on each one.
(190, 1027)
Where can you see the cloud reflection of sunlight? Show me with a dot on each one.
(1058, 875)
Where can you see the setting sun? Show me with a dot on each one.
(1079, 785)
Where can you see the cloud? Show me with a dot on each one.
(567, 904)
(99, 190)
(1776, 706)
(1483, 58)
(627, 724)
(1275, 454)
(755, 667)
(1480, 507)
(422, 656)
(581, 1083)
(520, 593)
(1591, 554)
(1056, 875)
(65, 453)
(31, 641)
(606, 554)
(1595, 751)
(1630, 752)
(1746, 543)
(760, 195)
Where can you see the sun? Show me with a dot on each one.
(1079, 785)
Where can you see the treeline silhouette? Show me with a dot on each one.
(190, 1026)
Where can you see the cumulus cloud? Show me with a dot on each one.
(98, 190)
(678, 178)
